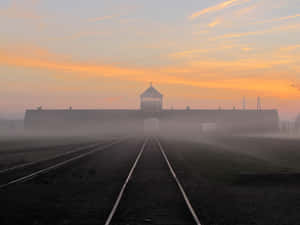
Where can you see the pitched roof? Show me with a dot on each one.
(151, 92)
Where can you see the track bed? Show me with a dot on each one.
(152, 195)
(80, 193)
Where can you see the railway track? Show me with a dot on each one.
(129, 184)
(24, 172)
(24, 165)
(141, 182)
(42, 148)
(149, 193)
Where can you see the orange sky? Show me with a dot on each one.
(205, 55)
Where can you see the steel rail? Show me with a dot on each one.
(186, 199)
(78, 149)
(117, 202)
(57, 165)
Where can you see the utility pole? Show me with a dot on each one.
(258, 104)
(244, 103)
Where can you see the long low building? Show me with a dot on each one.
(151, 110)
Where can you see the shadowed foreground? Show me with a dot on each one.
(225, 183)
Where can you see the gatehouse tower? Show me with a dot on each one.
(151, 100)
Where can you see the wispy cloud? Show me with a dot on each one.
(260, 32)
(96, 19)
(19, 11)
(200, 32)
(246, 10)
(63, 66)
(215, 8)
(249, 64)
(277, 19)
(237, 35)
(296, 85)
(215, 23)
(188, 53)
(81, 34)
(290, 48)
(247, 49)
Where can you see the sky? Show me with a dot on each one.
(102, 54)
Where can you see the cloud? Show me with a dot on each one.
(246, 10)
(247, 49)
(289, 48)
(214, 23)
(188, 53)
(200, 32)
(96, 19)
(221, 6)
(36, 58)
(198, 52)
(237, 35)
(245, 65)
(81, 34)
(277, 19)
(260, 32)
(18, 11)
(296, 85)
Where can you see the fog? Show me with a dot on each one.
(211, 150)
(211, 127)
(186, 125)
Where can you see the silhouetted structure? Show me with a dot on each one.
(151, 100)
(258, 104)
(151, 107)
(297, 123)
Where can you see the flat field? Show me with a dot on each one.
(17, 150)
(240, 180)
(229, 181)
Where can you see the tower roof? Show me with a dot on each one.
(151, 92)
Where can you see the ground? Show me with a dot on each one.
(229, 180)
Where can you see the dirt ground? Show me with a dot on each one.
(82, 193)
(19, 150)
(152, 196)
(229, 186)
(229, 180)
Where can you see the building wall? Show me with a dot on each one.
(151, 104)
(133, 120)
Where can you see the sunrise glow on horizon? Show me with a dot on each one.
(103, 54)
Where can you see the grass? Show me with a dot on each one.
(225, 165)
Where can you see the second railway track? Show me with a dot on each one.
(132, 183)
(28, 171)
